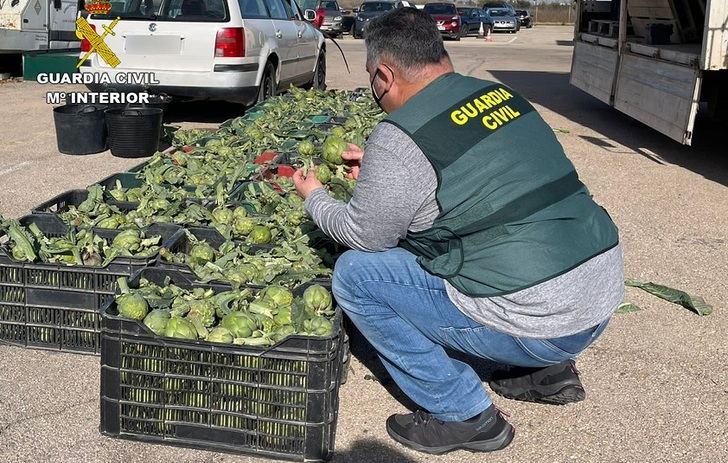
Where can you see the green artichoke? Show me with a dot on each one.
(180, 328)
(221, 335)
(332, 150)
(317, 300)
(239, 324)
(323, 173)
(260, 234)
(278, 295)
(306, 148)
(157, 320)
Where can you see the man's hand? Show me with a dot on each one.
(306, 184)
(353, 157)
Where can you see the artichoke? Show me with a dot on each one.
(260, 234)
(306, 148)
(242, 226)
(338, 131)
(318, 326)
(222, 215)
(278, 295)
(180, 328)
(332, 150)
(317, 300)
(221, 335)
(132, 305)
(201, 253)
(323, 173)
(239, 324)
(157, 320)
(129, 240)
(239, 212)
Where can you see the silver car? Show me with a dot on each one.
(503, 20)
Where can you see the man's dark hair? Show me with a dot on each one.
(406, 36)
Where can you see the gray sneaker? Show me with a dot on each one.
(556, 385)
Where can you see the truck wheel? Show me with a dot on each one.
(319, 74)
(267, 87)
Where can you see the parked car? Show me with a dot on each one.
(503, 20)
(524, 18)
(326, 15)
(500, 5)
(238, 51)
(370, 10)
(472, 18)
(348, 18)
(447, 18)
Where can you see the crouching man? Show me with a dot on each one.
(470, 230)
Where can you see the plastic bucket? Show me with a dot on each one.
(134, 132)
(80, 128)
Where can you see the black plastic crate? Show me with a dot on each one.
(55, 306)
(279, 401)
(138, 168)
(64, 201)
(181, 243)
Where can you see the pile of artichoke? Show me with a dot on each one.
(76, 247)
(231, 317)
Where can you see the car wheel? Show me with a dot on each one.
(267, 87)
(464, 31)
(456, 37)
(319, 74)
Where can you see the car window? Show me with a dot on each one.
(329, 5)
(439, 8)
(500, 13)
(376, 6)
(277, 10)
(306, 4)
(172, 10)
(253, 9)
(293, 7)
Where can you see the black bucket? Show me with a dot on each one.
(134, 132)
(80, 128)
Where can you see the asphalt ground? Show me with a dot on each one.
(657, 380)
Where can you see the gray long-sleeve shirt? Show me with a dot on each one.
(395, 193)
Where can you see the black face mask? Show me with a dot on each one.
(378, 99)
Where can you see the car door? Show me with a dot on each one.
(286, 34)
(475, 20)
(307, 41)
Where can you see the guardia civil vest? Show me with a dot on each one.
(513, 212)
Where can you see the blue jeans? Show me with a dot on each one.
(406, 315)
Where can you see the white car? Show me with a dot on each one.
(235, 50)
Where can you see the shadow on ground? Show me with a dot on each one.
(706, 157)
(214, 112)
(370, 451)
(365, 353)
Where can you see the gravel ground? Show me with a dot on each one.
(657, 379)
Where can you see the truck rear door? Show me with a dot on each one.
(662, 95)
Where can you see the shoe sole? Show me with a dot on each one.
(499, 442)
(565, 395)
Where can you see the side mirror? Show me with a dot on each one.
(57, 4)
(356, 10)
(309, 15)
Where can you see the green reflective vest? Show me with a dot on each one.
(513, 212)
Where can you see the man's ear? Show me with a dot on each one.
(386, 74)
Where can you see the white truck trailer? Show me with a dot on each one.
(32, 25)
(658, 61)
